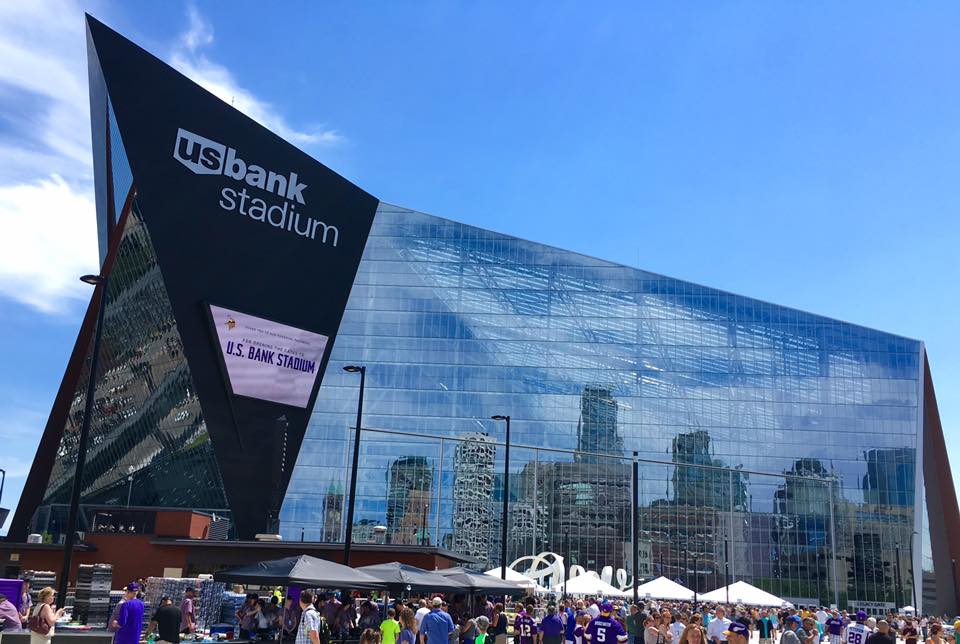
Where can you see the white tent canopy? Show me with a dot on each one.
(662, 588)
(518, 577)
(589, 584)
(740, 592)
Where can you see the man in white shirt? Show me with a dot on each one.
(822, 616)
(422, 612)
(593, 610)
(716, 631)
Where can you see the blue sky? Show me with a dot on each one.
(806, 154)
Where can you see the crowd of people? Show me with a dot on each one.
(594, 621)
(309, 618)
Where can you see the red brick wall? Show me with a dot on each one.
(181, 524)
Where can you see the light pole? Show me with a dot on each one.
(635, 527)
(356, 462)
(896, 577)
(98, 282)
(506, 498)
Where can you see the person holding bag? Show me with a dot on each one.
(43, 618)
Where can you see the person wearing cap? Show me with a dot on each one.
(857, 631)
(604, 629)
(791, 624)
(166, 621)
(437, 625)
(737, 633)
(129, 619)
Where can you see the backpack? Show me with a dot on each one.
(323, 631)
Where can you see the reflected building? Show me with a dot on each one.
(584, 509)
(333, 513)
(409, 500)
(698, 531)
(473, 495)
(890, 476)
(597, 428)
(804, 505)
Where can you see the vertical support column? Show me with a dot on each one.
(635, 526)
(731, 555)
(833, 545)
(536, 481)
(439, 484)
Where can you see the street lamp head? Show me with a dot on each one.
(499, 417)
(92, 280)
(352, 368)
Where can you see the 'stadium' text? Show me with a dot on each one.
(283, 216)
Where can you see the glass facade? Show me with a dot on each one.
(148, 441)
(774, 445)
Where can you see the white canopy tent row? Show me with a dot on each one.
(590, 583)
(740, 592)
(662, 588)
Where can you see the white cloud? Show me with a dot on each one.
(188, 58)
(199, 33)
(47, 217)
(49, 240)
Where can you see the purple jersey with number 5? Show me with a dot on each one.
(605, 630)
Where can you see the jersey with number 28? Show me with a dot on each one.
(856, 634)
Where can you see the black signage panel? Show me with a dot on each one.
(240, 218)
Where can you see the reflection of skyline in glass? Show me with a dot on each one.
(597, 427)
(408, 500)
(456, 324)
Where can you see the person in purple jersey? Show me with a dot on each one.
(605, 629)
(129, 620)
(834, 625)
(525, 628)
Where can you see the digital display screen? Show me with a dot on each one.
(268, 360)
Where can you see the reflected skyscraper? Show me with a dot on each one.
(473, 495)
(597, 428)
(408, 500)
(701, 480)
(890, 476)
(585, 507)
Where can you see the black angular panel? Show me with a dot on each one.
(242, 219)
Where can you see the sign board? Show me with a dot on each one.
(267, 360)
(870, 607)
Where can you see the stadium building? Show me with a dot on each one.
(800, 453)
